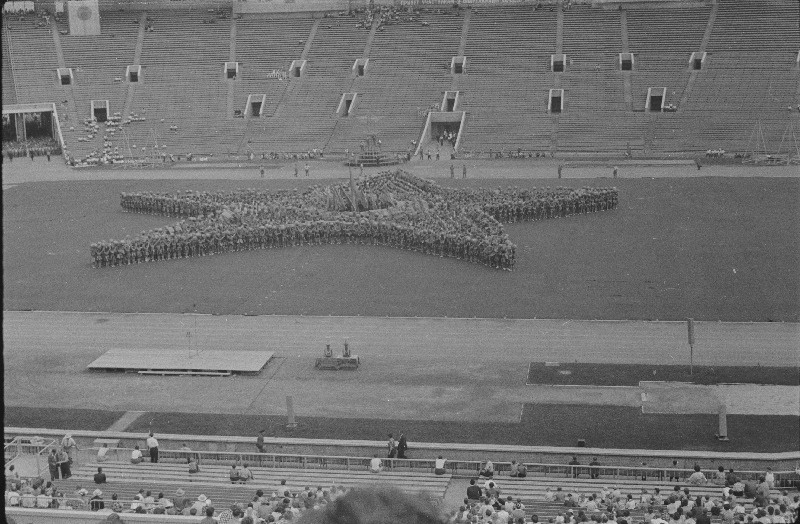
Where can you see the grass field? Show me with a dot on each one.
(541, 425)
(708, 248)
(631, 374)
(59, 418)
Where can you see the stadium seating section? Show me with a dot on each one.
(185, 104)
(125, 480)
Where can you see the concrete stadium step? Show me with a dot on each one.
(268, 478)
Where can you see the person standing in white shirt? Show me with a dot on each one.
(71, 448)
(438, 468)
(769, 477)
(152, 445)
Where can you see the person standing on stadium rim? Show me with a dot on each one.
(52, 464)
(402, 446)
(70, 447)
(152, 445)
(574, 463)
(595, 470)
(306, 168)
(464, 171)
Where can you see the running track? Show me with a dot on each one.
(413, 368)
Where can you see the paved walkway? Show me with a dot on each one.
(124, 422)
(40, 170)
(413, 368)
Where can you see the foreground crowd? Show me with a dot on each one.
(726, 497)
(392, 208)
(282, 505)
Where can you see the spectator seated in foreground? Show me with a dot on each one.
(102, 453)
(518, 470)
(136, 455)
(375, 464)
(99, 477)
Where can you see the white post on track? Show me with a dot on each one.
(690, 328)
(291, 422)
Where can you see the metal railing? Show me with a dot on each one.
(37, 446)
(455, 467)
(75, 503)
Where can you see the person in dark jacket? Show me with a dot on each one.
(402, 446)
(473, 491)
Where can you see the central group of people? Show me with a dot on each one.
(391, 208)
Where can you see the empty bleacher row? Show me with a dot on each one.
(307, 115)
(9, 91)
(746, 25)
(750, 75)
(34, 61)
(182, 68)
(506, 86)
(263, 45)
(408, 71)
(595, 50)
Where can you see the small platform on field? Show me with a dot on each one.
(337, 363)
(183, 362)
